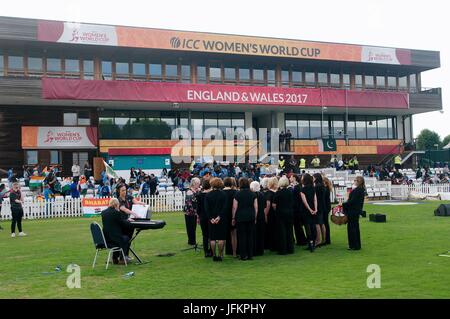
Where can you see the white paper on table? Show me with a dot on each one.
(140, 210)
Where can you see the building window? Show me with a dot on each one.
(413, 83)
(382, 125)
(54, 157)
(297, 78)
(106, 70)
(84, 118)
(230, 75)
(15, 65)
(361, 132)
(88, 69)
(70, 119)
(392, 83)
(358, 81)
(346, 80)
(122, 71)
(315, 127)
(369, 82)
(371, 128)
(258, 77)
(403, 82)
(270, 77)
(335, 80)
(244, 76)
(171, 72)
(31, 157)
(285, 78)
(322, 79)
(292, 126)
(1, 65)
(186, 73)
(54, 67)
(139, 72)
(381, 82)
(215, 73)
(351, 128)
(72, 68)
(155, 72)
(35, 67)
(201, 74)
(310, 79)
(338, 127)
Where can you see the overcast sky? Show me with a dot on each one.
(398, 23)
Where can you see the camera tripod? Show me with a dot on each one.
(194, 247)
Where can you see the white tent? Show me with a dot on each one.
(446, 147)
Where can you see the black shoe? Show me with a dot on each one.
(207, 255)
(311, 247)
(215, 258)
(243, 258)
(250, 258)
(219, 258)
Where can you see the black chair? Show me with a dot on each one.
(100, 244)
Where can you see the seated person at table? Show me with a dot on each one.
(116, 230)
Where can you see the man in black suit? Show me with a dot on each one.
(353, 208)
(115, 229)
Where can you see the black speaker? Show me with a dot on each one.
(377, 218)
(442, 210)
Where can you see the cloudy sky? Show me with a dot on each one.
(398, 23)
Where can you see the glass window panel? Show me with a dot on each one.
(361, 132)
(122, 68)
(121, 121)
(88, 69)
(197, 125)
(31, 157)
(335, 79)
(70, 119)
(186, 73)
(258, 75)
(390, 128)
(54, 157)
(358, 81)
(292, 126)
(215, 73)
(72, 66)
(35, 66)
(53, 65)
(392, 82)
(310, 78)
(371, 128)
(325, 127)
(381, 81)
(369, 81)
(351, 128)
(303, 128)
(296, 78)
(107, 70)
(230, 74)
(322, 78)
(84, 118)
(412, 82)
(382, 128)
(201, 74)
(15, 62)
(244, 74)
(346, 80)
(338, 127)
(155, 71)
(284, 77)
(315, 127)
(1, 65)
(271, 77)
(171, 71)
(403, 82)
(139, 70)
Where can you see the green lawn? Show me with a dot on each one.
(405, 248)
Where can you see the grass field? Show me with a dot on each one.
(405, 248)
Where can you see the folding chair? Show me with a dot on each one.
(100, 244)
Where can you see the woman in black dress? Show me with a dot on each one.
(326, 216)
(321, 207)
(217, 221)
(230, 191)
(309, 209)
(299, 223)
(270, 240)
(202, 217)
(255, 187)
(283, 203)
(245, 209)
(353, 208)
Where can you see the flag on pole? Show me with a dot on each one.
(110, 172)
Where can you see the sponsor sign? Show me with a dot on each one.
(94, 206)
(55, 137)
(80, 33)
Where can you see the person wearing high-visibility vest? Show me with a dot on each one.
(302, 164)
(281, 164)
(351, 165)
(398, 162)
(315, 162)
(191, 168)
(355, 163)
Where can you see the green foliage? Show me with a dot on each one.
(142, 129)
(427, 139)
(446, 140)
(406, 248)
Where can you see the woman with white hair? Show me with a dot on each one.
(190, 210)
(283, 203)
(260, 219)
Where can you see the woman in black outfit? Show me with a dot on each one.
(353, 208)
(230, 190)
(245, 209)
(202, 217)
(326, 216)
(16, 200)
(126, 205)
(283, 203)
(270, 240)
(190, 211)
(299, 223)
(309, 209)
(320, 194)
(255, 187)
(217, 222)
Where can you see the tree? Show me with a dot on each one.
(427, 140)
(446, 140)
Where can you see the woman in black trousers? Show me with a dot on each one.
(230, 190)
(283, 203)
(270, 237)
(309, 209)
(353, 208)
(217, 221)
(320, 194)
(299, 223)
(16, 200)
(245, 209)
(202, 218)
(190, 211)
(255, 187)
(326, 216)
